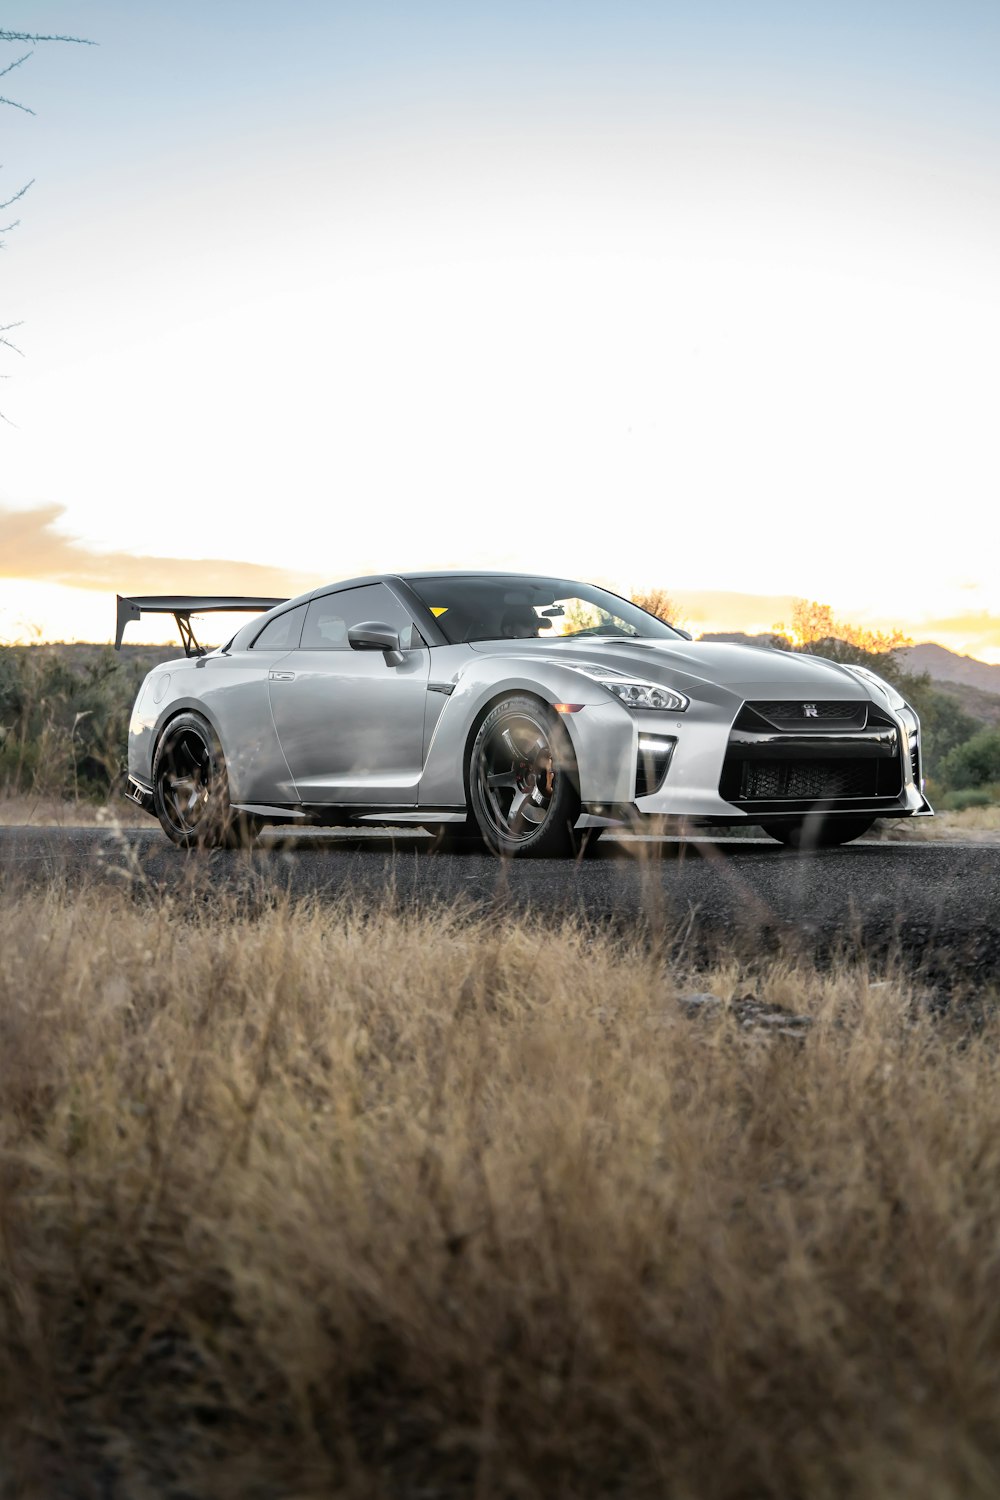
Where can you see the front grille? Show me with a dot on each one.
(778, 763)
(787, 709)
(801, 714)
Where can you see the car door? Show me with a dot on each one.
(351, 722)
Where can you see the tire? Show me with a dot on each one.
(816, 831)
(523, 787)
(191, 789)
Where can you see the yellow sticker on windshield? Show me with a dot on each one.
(436, 612)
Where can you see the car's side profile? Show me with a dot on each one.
(525, 712)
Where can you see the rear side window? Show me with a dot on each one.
(331, 617)
(282, 634)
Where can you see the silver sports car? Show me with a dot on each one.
(526, 713)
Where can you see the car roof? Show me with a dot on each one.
(433, 575)
(430, 576)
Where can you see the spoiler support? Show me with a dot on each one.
(182, 607)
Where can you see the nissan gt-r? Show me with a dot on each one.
(524, 713)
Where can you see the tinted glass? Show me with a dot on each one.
(282, 634)
(550, 609)
(330, 618)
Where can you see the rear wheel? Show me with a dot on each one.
(816, 831)
(522, 781)
(191, 789)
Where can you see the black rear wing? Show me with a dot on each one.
(182, 607)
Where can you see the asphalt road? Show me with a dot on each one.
(935, 905)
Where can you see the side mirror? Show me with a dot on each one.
(372, 635)
(685, 633)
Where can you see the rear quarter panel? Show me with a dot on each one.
(231, 693)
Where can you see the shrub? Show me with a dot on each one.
(976, 796)
(64, 714)
(974, 764)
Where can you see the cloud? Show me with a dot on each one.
(979, 630)
(32, 549)
(721, 609)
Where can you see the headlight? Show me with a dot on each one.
(636, 694)
(647, 695)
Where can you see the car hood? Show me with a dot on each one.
(719, 663)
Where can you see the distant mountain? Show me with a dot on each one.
(947, 666)
(984, 706)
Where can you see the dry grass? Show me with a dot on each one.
(978, 824)
(312, 1205)
(27, 810)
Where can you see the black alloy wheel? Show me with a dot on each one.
(191, 789)
(818, 831)
(522, 781)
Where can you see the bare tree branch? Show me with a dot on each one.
(23, 36)
(31, 36)
(11, 66)
(19, 194)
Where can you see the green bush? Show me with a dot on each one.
(974, 764)
(973, 796)
(64, 715)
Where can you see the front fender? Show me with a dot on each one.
(603, 734)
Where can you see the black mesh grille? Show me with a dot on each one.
(810, 781)
(806, 712)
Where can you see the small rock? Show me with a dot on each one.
(700, 1001)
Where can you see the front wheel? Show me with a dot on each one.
(191, 788)
(816, 831)
(522, 781)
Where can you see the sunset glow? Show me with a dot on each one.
(651, 296)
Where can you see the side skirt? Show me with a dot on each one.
(329, 816)
(138, 792)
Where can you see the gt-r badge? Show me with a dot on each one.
(810, 711)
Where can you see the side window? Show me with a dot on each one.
(330, 618)
(282, 634)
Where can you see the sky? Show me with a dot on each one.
(698, 295)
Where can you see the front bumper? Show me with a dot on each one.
(725, 766)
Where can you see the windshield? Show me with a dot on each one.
(545, 609)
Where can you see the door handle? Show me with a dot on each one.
(281, 676)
